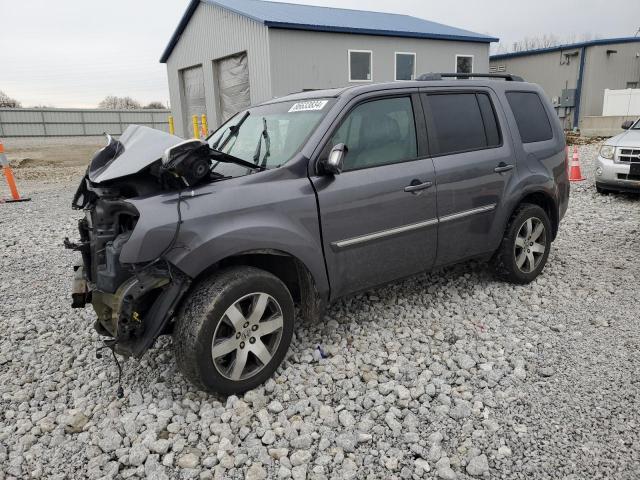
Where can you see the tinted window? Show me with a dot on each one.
(490, 121)
(531, 116)
(377, 133)
(359, 66)
(456, 123)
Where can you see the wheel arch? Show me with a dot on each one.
(292, 271)
(544, 200)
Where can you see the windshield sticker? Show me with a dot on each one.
(309, 106)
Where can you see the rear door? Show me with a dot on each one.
(378, 216)
(194, 97)
(474, 162)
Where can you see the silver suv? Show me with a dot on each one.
(304, 200)
(618, 165)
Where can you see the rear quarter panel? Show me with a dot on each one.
(541, 165)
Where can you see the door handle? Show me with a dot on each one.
(503, 167)
(417, 186)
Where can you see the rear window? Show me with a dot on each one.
(461, 122)
(531, 117)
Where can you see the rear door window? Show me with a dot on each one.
(531, 116)
(461, 122)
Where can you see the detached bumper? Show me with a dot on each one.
(616, 176)
(138, 312)
(80, 293)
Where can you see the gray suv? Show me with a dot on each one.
(305, 199)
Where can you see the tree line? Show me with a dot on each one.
(547, 40)
(110, 102)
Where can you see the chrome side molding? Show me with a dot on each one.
(349, 242)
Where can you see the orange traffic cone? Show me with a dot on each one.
(575, 175)
(11, 181)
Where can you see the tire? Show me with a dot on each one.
(222, 306)
(602, 191)
(508, 256)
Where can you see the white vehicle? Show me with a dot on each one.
(618, 166)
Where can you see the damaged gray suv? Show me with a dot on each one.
(295, 203)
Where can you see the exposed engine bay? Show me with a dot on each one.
(134, 301)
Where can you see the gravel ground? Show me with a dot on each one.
(447, 375)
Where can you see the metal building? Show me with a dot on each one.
(228, 54)
(575, 76)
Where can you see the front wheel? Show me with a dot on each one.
(525, 247)
(234, 330)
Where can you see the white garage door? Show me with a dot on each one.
(233, 85)
(195, 103)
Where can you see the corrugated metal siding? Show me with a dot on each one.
(604, 71)
(302, 60)
(211, 34)
(549, 70)
(76, 122)
(601, 71)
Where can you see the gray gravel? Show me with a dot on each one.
(450, 375)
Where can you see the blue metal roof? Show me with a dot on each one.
(325, 19)
(568, 46)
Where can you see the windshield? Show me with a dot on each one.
(636, 126)
(268, 135)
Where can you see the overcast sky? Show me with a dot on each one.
(72, 53)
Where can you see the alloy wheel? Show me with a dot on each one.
(247, 336)
(530, 245)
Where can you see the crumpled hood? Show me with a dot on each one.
(630, 138)
(137, 148)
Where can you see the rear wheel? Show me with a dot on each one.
(234, 330)
(525, 247)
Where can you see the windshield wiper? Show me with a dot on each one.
(267, 143)
(233, 132)
(219, 156)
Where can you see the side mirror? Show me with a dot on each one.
(173, 154)
(188, 160)
(334, 163)
(627, 124)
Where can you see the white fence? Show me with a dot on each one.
(618, 103)
(54, 122)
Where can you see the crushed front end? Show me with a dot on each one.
(134, 302)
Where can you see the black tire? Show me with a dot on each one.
(203, 314)
(602, 191)
(506, 257)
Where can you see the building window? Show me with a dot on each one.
(405, 66)
(464, 63)
(360, 66)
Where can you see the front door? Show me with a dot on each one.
(474, 163)
(378, 217)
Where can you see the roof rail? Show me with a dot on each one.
(439, 76)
